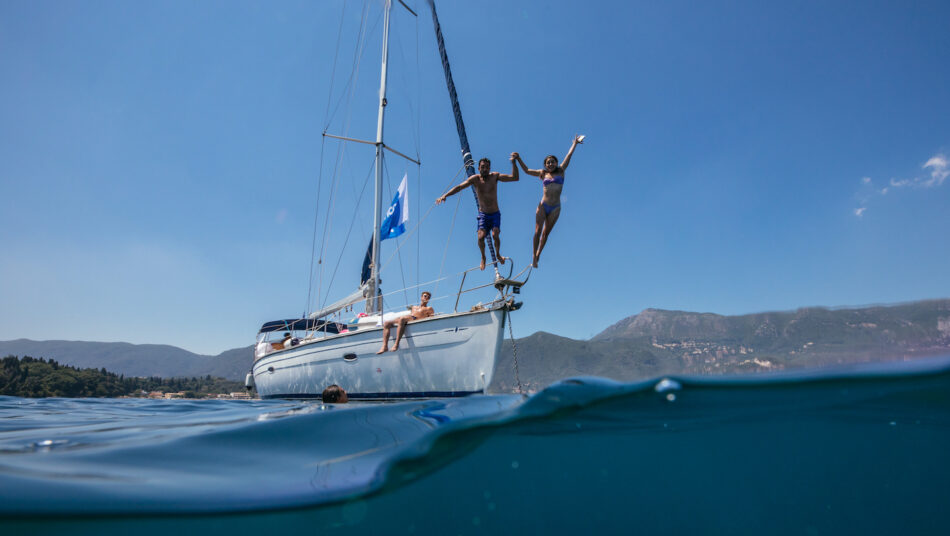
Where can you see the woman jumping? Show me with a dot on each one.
(549, 209)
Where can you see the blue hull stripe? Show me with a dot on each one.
(383, 396)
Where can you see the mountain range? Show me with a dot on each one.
(656, 342)
(652, 343)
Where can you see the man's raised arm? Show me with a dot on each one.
(455, 189)
(514, 170)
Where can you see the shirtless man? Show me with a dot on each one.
(418, 312)
(486, 190)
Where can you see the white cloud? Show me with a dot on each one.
(939, 171)
(937, 165)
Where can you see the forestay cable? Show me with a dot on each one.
(323, 142)
(341, 151)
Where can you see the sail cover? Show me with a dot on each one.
(300, 324)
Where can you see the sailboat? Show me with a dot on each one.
(445, 355)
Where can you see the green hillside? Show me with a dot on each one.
(29, 377)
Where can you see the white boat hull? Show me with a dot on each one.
(447, 355)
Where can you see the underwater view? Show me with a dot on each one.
(851, 450)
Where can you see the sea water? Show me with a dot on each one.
(848, 451)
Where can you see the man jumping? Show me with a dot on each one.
(485, 184)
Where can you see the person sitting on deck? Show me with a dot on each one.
(417, 312)
(284, 343)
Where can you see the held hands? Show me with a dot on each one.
(516, 157)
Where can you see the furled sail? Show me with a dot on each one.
(467, 159)
(357, 296)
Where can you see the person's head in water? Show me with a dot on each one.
(484, 166)
(550, 163)
(334, 395)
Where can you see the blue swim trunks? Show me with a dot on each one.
(489, 221)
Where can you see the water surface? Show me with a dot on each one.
(855, 450)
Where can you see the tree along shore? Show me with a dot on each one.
(29, 377)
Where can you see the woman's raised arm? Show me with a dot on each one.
(570, 152)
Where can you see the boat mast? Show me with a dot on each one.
(374, 305)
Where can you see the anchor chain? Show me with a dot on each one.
(514, 353)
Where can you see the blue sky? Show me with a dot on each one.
(160, 162)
